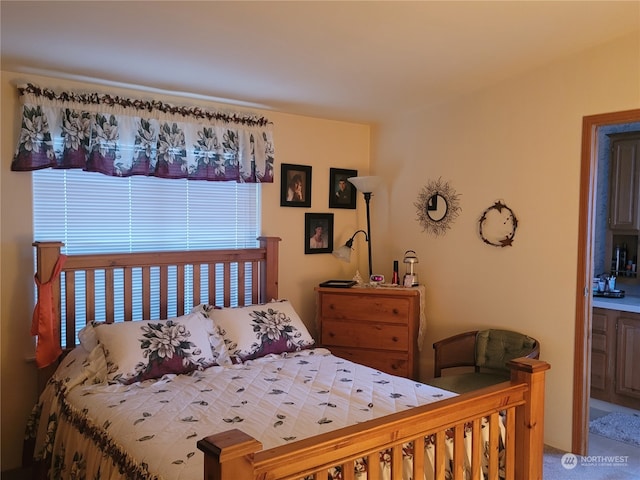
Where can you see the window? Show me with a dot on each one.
(93, 213)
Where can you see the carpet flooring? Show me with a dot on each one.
(622, 427)
(616, 461)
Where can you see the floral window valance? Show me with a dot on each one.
(122, 137)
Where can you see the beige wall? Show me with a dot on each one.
(518, 142)
(299, 140)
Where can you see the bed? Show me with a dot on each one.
(236, 408)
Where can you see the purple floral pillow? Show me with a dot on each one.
(142, 350)
(258, 330)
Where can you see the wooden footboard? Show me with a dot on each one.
(421, 433)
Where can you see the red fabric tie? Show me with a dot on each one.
(45, 323)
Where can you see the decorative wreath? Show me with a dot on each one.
(431, 194)
(498, 225)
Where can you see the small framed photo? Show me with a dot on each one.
(342, 194)
(318, 232)
(295, 185)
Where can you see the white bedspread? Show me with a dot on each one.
(150, 429)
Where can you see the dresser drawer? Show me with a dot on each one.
(365, 334)
(377, 327)
(394, 363)
(367, 308)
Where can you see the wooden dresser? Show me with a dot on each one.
(377, 327)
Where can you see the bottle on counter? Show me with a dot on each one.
(615, 261)
(396, 278)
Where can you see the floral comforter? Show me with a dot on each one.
(149, 429)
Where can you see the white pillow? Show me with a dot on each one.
(140, 350)
(87, 336)
(258, 330)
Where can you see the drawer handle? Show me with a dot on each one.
(395, 311)
(395, 339)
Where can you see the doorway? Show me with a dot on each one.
(582, 342)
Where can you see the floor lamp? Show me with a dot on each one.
(366, 185)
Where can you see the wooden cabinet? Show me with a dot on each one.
(624, 182)
(615, 363)
(602, 346)
(628, 357)
(377, 327)
(624, 204)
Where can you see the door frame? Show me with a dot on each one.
(586, 223)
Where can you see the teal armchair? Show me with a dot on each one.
(486, 352)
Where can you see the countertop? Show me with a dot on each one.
(629, 303)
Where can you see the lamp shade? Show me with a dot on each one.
(365, 184)
(343, 253)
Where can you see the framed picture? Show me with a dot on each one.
(295, 185)
(318, 232)
(342, 194)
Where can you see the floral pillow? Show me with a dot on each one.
(89, 340)
(141, 350)
(258, 330)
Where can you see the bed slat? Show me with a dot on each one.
(180, 291)
(212, 281)
(440, 459)
(373, 473)
(418, 457)
(146, 292)
(347, 471)
(196, 284)
(227, 284)
(476, 450)
(128, 294)
(458, 452)
(109, 294)
(493, 445)
(70, 290)
(255, 280)
(510, 455)
(396, 461)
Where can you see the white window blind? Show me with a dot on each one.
(93, 213)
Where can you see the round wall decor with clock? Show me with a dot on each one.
(437, 207)
(497, 225)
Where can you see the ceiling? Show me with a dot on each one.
(357, 61)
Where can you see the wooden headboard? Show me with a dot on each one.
(254, 267)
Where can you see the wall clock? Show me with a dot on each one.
(437, 207)
(498, 225)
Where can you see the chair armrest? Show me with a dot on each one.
(535, 353)
(456, 351)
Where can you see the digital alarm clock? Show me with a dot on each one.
(376, 279)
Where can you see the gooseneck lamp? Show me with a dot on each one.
(344, 252)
